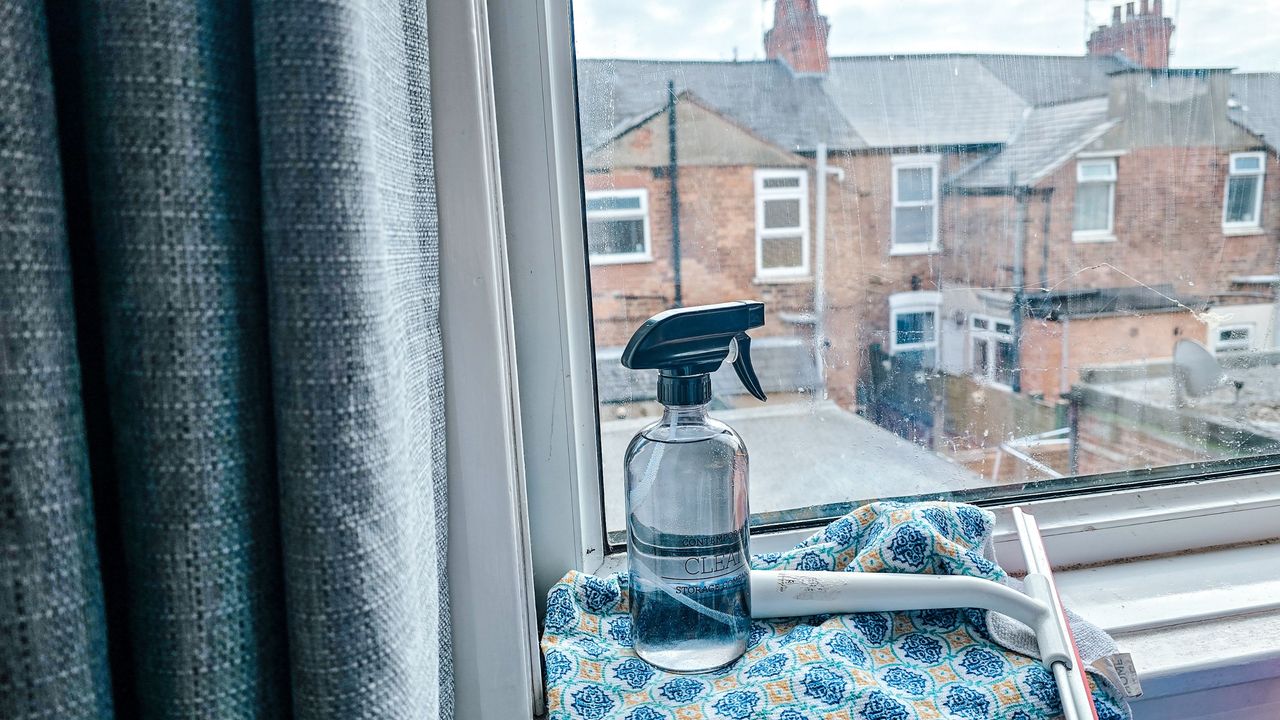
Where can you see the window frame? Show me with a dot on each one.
(1139, 514)
(641, 214)
(763, 195)
(933, 163)
(1232, 346)
(1246, 226)
(992, 336)
(1109, 233)
(910, 303)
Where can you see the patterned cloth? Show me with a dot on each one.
(924, 665)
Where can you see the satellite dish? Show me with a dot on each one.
(1196, 370)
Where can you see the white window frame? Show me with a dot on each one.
(909, 303)
(1233, 345)
(991, 336)
(763, 194)
(1109, 233)
(1246, 226)
(914, 162)
(549, 314)
(641, 214)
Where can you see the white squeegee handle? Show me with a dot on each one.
(799, 593)
(1069, 673)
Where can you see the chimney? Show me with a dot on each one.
(1142, 37)
(798, 36)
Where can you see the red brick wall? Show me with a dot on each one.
(717, 241)
(1098, 341)
(1168, 226)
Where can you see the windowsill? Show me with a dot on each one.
(1092, 237)
(1192, 622)
(620, 260)
(1242, 231)
(781, 279)
(901, 250)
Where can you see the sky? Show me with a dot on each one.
(1244, 34)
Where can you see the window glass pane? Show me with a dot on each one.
(612, 202)
(915, 184)
(915, 328)
(958, 178)
(1006, 363)
(1247, 163)
(1241, 198)
(913, 225)
(781, 214)
(615, 237)
(777, 253)
(980, 360)
(1097, 171)
(1093, 206)
(780, 182)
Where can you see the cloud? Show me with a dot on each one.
(1233, 34)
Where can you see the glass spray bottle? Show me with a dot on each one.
(686, 478)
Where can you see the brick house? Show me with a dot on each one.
(1005, 219)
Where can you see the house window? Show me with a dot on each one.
(994, 357)
(618, 226)
(913, 325)
(1242, 203)
(1229, 338)
(1095, 200)
(914, 226)
(782, 223)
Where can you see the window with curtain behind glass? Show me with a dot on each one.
(979, 235)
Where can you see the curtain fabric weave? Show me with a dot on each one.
(235, 201)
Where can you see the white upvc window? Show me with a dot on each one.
(992, 353)
(618, 226)
(1242, 198)
(913, 324)
(1228, 338)
(1095, 204)
(782, 223)
(914, 224)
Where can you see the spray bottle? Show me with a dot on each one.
(686, 477)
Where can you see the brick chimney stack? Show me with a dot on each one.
(1142, 36)
(798, 36)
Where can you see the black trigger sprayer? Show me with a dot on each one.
(686, 484)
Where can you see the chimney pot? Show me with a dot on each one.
(1146, 7)
(1115, 15)
(1128, 7)
(1158, 8)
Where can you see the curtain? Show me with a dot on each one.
(222, 461)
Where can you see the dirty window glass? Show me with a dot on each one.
(997, 257)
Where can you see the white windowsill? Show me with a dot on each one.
(781, 279)
(902, 250)
(1092, 237)
(620, 259)
(1242, 231)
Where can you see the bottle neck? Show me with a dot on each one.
(684, 414)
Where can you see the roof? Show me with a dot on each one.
(614, 95)
(871, 101)
(805, 454)
(1095, 302)
(1049, 136)
(1257, 104)
(783, 364)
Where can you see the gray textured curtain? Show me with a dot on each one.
(222, 486)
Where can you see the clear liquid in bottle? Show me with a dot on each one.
(687, 542)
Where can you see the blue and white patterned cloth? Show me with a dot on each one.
(923, 665)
